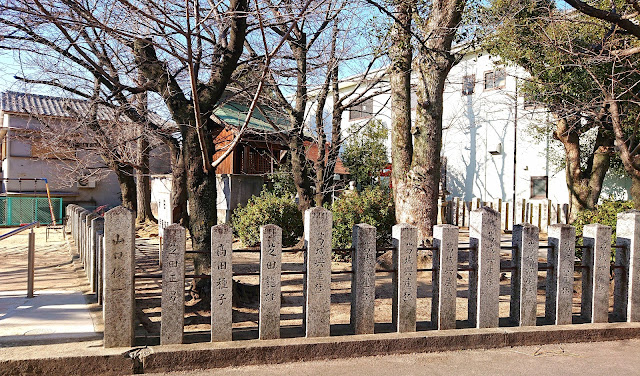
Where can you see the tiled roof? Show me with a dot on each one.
(234, 114)
(44, 105)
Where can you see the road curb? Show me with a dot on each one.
(255, 352)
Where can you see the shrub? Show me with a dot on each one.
(267, 208)
(604, 214)
(373, 206)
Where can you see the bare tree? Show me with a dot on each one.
(184, 53)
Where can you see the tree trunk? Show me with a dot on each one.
(630, 160)
(635, 191)
(299, 169)
(401, 56)
(200, 181)
(584, 184)
(300, 173)
(143, 180)
(416, 183)
(127, 183)
(178, 186)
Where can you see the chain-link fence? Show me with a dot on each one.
(15, 211)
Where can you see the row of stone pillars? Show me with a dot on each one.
(484, 275)
(87, 230)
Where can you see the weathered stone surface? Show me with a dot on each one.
(363, 281)
(560, 257)
(524, 279)
(97, 227)
(100, 267)
(484, 283)
(270, 268)
(626, 305)
(221, 283)
(444, 277)
(119, 266)
(89, 246)
(82, 222)
(172, 303)
(317, 287)
(405, 262)
(595, 278)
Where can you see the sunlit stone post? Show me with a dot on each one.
(444, 277)
(524, 278)
(270, 268)
(363, 282)
(626, 304)
(119, 264)
(405, 262)
(484, 282)
(560, 258)
(97, 227)
(172, 303)
(317, 286)
(595, 277)
(221, 283)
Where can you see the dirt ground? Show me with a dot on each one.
(245, 315)
(54, 268)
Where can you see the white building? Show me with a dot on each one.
(26, 162)
(483, 115)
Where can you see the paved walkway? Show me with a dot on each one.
(49, 316)
(60, 311)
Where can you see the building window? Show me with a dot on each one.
(362, 110)
(495, 79)
(539, 186)
(468, 84)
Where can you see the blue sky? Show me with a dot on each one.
(9, 67)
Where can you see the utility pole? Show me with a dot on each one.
(515, 150)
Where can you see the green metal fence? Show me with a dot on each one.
(15, 211)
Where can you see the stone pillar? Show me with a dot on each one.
(363, 281)
(484, 283)
(82, 234)
(560, 258)
(97, 227)
(89, 247)
(221, 283)
(270, 267)
(68, 226)
(444, 277)
(405, 262)
(119, 264)
(595, 277)
(524, 278)
(172, 303)
(100, 267)
(626, 304)
(317, 284)
(72, 220)
(76, 214)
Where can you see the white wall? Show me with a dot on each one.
(475, 124)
